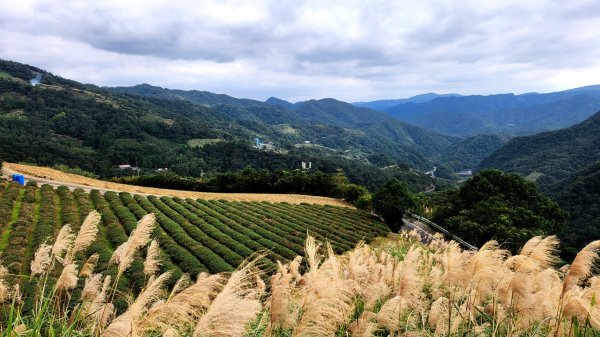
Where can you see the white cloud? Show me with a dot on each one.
(350, 50)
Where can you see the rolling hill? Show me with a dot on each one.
(64, 122)
(550, 157)
(326, 122)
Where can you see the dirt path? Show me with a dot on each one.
(45, 175)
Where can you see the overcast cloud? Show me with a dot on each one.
(349, 50)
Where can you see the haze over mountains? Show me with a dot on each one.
(496, 114)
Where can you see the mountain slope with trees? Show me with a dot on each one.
(550, 157)
(325, 122)
(580, 196)
(62, 122)
(501, 114)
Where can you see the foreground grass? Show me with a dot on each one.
(396, 286)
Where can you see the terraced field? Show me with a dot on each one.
(195, 235)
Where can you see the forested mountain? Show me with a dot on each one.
(580, 196)
(64, 122)
(468, 153)
(501, 114)
(193, 96)
(550, 157)
(329, 123)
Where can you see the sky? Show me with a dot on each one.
(298, 50)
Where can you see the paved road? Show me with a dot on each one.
(424, 231)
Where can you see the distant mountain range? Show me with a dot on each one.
(384, 104)
(508, 114)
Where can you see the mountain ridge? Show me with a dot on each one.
(511, 114)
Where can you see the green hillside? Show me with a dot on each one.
(328, 123)
(550, 157)
(195, 235)
(580, 196)
(62, 122)
(469, 152)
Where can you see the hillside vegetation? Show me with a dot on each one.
(550, 157)
(580, 196)
(62, 122)
(399, 287)
(327, 122)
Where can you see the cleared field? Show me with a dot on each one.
(50, 175)
(195, 235)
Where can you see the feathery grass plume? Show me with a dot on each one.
(89, 265)
(522, 264)
(127, 324)
(294, 268)
(142, 233)
(542, 250)
(543, 299)
(41, 260)
(580, 304)
(488, 256)
(63, 242)
(328, 299)
(182, 309)
(406, 276)
(234, 307)
(581, 267)
(138, 238)
(87, 235)
(152, 262)
(181, 284)
(363, 326)
(16, 294)
(357, 269)
(282, 315)
(68, 278)
(390, 313)
(484, 268)
(374, 293)
(454, 260)
(444, 317)
(98, 311)
(311, 248)
(91, 288)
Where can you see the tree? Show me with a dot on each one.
(392, 201)
(500, 206)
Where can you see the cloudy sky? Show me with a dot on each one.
(350, 50)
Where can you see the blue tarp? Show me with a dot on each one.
(19, 179)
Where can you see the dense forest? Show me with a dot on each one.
(549, 157)
(580, 196)
(494, 205)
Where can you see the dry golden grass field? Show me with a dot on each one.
(73, 180)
